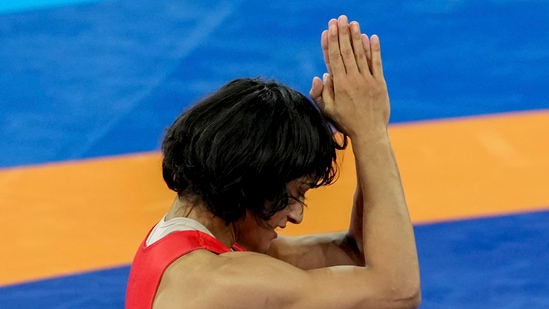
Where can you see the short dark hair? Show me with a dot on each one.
(240, 146)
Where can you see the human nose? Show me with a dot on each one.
(295, 215)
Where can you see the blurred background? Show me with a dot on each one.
(87, 89)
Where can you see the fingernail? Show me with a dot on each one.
(324, 77)
(355, 27)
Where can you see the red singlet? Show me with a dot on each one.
(150, 263)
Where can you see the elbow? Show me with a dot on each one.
(415, 292)
(417, 300)
(404, 289)
(409, 295)
(403, 297)
(410, 299)
(400, 301)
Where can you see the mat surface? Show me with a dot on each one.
(87, 88)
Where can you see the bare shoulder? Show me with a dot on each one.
(249, 280)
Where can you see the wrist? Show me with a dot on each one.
(369, 136)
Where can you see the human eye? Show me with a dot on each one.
(299, 197)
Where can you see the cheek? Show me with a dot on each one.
(279, 217)
(252, 235)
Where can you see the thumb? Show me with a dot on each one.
(316, 91)
(327, 91)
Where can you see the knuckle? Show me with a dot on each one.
(347, 53)
(334, 54)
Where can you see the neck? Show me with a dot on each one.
(198, 212)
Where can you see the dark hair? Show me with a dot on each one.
(239, 148)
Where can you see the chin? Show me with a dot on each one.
(266, 247)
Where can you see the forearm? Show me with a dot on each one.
(355, 224)
(317, 250)
(388, 236)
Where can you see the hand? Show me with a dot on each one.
(353, 94)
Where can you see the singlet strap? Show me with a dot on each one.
(151, 261)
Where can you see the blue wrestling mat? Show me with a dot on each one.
(88, 79)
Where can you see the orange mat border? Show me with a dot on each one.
(76, 216)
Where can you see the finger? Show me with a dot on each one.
(377, 67)
(327, 93)
(324, 43)
(345, 47)
(334, 55)
(358, 47)
(316, 90)
(366, 45)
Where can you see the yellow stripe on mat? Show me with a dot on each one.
(64, 218)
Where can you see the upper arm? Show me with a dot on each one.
(258, 281)
(316, 251)
(249, 280)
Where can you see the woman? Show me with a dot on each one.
(241, 162)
